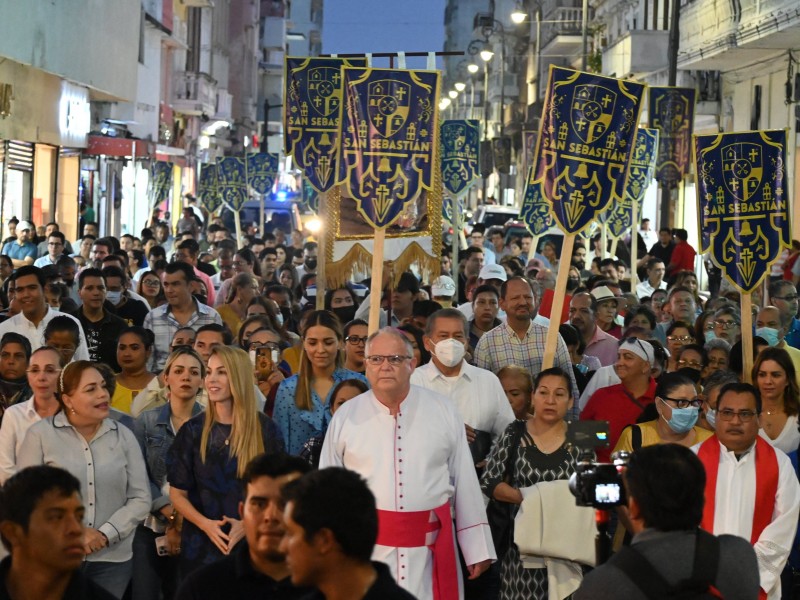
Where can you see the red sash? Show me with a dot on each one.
(766, 486)
(411, 529)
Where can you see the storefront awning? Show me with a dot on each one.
(121, 147)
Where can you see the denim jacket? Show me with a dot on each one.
(154, 432)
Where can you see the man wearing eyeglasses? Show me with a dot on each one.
(409, 444)
(682, 306)
(751, 489)
(783, 295)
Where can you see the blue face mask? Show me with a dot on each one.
(709, 335)
(683, 419)
(769, 334)
(711, 417)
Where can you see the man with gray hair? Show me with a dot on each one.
(409, 444)
(477, 393)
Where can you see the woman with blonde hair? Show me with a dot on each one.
(244, 288)
(209, 455)
(301, 405)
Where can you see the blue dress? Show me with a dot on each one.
(300, 425)
(213, 486)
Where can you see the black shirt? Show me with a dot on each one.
(102, 337)
(235, 578)
(79, 587)
(661, 253)
(384, 588)
(132, 311)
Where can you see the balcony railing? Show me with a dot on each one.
(194, 94)
(561, 22)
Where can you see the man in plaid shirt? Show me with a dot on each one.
(519, 341)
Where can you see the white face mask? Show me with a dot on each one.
(450, 352)
(114, 297)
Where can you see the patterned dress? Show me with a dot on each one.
(213, 486)
(531, 467)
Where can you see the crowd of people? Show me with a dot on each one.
(180, 421)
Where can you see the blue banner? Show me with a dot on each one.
(311, 112)
(232, 181)
(535, 211)
(460, 152)
(208, 188)
(389, 131)
(640, 174)
(447, 210)
(160, 181)
(262, 169)
(671, 111)
(588, 130)
(743, 202)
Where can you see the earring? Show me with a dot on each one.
(72, 411)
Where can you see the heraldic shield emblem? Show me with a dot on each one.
(592, 111)
(743, 202)
(459, 154)
(325, 89)
(389, 104)
(743, 169)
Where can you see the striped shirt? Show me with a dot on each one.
(164, 325)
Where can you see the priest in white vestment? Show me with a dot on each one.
(410, 445)
(751, 488)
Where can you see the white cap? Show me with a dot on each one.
(443, 286)
(493, 272)
(23, 225)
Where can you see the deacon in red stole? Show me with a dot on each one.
(751, 488)
(410, 445)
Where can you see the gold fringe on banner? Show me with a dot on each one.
(359, 259)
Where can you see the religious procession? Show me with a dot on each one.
(367, 345)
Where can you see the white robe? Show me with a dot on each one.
(734, 503)
(417, 460)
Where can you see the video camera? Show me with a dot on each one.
(594, 484)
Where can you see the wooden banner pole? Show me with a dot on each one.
(532, 249)
(322, 258)
(603, 240)
(551, 341)
(376, 291)
(456, 243)
(614, 244)
(634, 244)
(747, 337)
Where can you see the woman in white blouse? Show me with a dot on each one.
(43, 370)
(105, 457)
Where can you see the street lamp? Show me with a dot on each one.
(519, 15)
(473, 68)
(453, 94)
(460, 86)
(486, 55)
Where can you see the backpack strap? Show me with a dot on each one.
(636, 437)
(706, 562)
(641, 573)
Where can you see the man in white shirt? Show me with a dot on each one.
(477, 393)
(55, 250)
(649, 236)
(36, 313)
(655, 279)
(751, 488)
(409, 444)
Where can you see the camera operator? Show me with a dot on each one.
(665, 484)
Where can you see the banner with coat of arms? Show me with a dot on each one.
(743, 202)
(671, 111)
(208, 188)
(460, 152)
(232, 181)
(160, 181)
(262, 169)
(586, 139)
(535, 211)
(391, 173)
(311, 112)
(640, 174)
(389, 135)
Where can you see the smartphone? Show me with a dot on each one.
(161, 546)
(264, 360)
